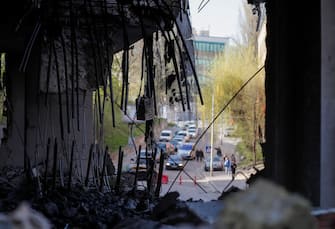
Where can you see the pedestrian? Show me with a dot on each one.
(197, 154)
(218, 152)
(233, 166)
(227, 165)
(233, 170)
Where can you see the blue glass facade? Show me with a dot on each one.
(206, 49)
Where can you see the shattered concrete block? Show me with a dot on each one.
(24, 217)
(265, 205)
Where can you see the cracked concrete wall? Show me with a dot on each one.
(327, 175)
(293, 89)
(34, 121)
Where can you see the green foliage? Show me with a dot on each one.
(246, 153)
(118, 135)
(228, 73)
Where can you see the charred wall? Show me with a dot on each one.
(58, 58)
(292, 150)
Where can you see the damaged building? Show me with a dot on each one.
(57, 65)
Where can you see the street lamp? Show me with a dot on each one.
(212, 138)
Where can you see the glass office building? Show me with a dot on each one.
(206, 49)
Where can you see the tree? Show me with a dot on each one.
(228, 73)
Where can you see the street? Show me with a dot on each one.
(197, 184)
(194, 182)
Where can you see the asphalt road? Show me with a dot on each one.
(197, 184)
(194, 182)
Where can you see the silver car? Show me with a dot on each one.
(186, 151)
(217, 164)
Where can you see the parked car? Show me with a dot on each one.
(144, 160)
(217, 164)
(192, 131)
(178, 138)
(184, 134)
(174, 162)
(186, 151)
(166, 135)
(142, 166)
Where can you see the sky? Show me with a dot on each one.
(221, 17)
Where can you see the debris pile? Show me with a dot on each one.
(266, 205)
(87, 207)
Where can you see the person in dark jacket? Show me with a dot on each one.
(233, 166)
(197, 154)
(218, 151)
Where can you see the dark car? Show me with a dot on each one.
(217, 164)
(174, 162)
(186, 151)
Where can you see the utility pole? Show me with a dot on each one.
(212, 139)
(255, 130)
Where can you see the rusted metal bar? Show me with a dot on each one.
(103, 169)
(99, 59)
(54, 168)
(125, 60)
(95, 35)
(66, 84)
(154, 93)
(46, 165)
(109, 64)
(126, 73)
(25, 134)
(48, 73)
(73, 46)
(175, 64)
(95, 67)
(77, 80)
(71, 165)
(183, 69)
(119, 170)
(160, 174)
(29, 47)
(137, 165)
(150, 169)
(89, 164)
(59, 93)
(184, 44)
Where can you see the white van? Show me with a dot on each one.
(166, 135)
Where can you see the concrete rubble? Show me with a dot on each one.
(263, 205)
(266, 205)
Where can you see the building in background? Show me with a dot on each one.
(206, 49)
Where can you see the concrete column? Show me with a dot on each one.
(15, 114)
(327, 177)
(33, 122)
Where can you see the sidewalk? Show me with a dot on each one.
(222, 181)
(207, 188)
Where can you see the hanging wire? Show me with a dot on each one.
(216, 116)
(202, 5)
